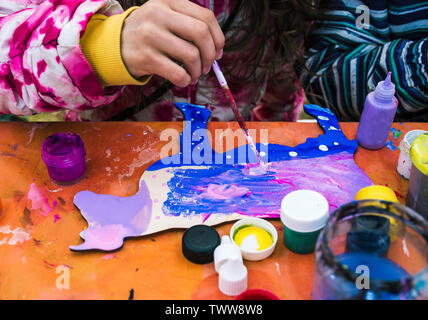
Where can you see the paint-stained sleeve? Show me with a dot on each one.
(353, 46)
(42, 67)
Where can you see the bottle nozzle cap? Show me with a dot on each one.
(385, 90)
(388, 82)
(232, 278)
(226, 251)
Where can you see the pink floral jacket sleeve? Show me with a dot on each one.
(42, 68)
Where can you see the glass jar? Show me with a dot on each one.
(372, 250)
(64, 156)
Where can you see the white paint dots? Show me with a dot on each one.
(263, 154)
(228, 156)
(323, 118)
(336, 143)
(323, 147)
(333, 128)
(292, 154)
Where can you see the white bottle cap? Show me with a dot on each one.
(232, 277)
(304, 211)
(226, 250)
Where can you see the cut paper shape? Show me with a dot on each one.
(198, 185)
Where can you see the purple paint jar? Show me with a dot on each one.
(64, 156)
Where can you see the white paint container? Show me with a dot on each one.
(404, 164)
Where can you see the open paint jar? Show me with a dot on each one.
(64, 156)
(356, 258)
(256, 237)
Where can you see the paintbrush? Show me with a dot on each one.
(223, 83)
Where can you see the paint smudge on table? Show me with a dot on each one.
(108, 256)
(19, 235)
(396, 133)
(145, 155)
(108, 152)
(8, 154)
(39, 200)
(33, 129)
(390, 145)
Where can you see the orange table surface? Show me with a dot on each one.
(34, 240)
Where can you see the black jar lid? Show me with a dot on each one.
(369, 234)
(199, 243)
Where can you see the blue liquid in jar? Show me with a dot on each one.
(380, 269)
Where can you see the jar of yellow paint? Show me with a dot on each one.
(256, 238)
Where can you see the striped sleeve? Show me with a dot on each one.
(348, 56)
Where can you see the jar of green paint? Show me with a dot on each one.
(304, 214)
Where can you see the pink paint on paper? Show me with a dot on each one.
(224, 191)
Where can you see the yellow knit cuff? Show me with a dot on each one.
(101, 46)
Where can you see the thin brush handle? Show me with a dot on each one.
(238, 115)
(220, 76)
(223, 83)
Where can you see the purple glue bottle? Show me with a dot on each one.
(378, 115)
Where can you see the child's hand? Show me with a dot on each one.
(163, 31)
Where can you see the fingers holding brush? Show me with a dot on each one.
(162, 34)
